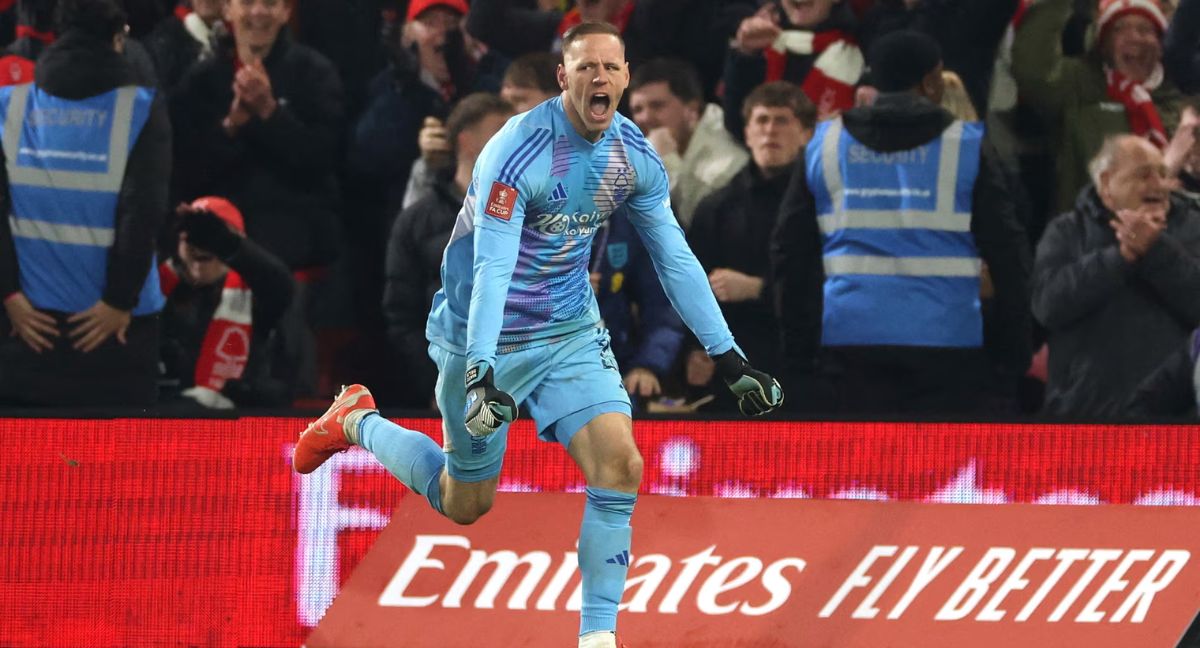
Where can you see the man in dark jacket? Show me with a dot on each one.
(1116, 281)
(419, 236)
(225, 294)
(877, 251)
(260, 123)
(77, 248)
(731, 233)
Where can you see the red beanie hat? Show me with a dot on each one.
(1111, 10)
(224, 210)
(417, 7)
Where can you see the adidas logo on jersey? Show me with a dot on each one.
(559, 192)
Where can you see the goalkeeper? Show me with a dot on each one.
(516, 320)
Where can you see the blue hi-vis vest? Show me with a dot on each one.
(66, 160)
(901, 268)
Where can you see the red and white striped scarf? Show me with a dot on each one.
(1143, 117)
(226, 346)
(838, 66)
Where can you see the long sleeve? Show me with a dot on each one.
(497, 198)
(798, 274)
(1044, 76)
(269, 280)
(742, 75)
(661, 331)
(683, 280)
(141, 209)
(10, 277)
(1181, 56)
(1068, 284)
(421, 183)
(1173, 272)
(1003, 244)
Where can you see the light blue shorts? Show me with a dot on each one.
(563, 385)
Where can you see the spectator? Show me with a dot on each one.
(809, 43)
(1123, 265)
(1173, 389)
(646, 331)
(259, 124)
(79, 296)
(667, 103)
(731, 231)
(882, 190)
(434, 65)
(1081, 98)
(35, 30)
(528, 81)
(224, 297)
(420, 234)
(181, 39)
(1182, 156)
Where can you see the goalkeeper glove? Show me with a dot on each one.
(487, 407)
(756, 392)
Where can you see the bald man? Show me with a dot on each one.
(1116, 281)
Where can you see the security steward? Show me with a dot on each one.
(86, 166)
(879, 247)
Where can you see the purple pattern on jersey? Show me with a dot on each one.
(550, 281)
(562, 158)
(610, 176)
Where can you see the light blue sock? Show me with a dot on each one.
(604, 556)
(412, 457)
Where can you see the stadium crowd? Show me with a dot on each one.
(294, 169)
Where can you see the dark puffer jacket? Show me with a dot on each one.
(1112, 323)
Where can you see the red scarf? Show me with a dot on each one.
(837, 66)
(1139, 107)
(226, 345)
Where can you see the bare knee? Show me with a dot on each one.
(621, 471)
(467, 515)
(466, 504)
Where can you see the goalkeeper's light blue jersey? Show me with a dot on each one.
(515, 272)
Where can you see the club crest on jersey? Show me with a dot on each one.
(500, 201)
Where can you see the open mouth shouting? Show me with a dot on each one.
(599, 107)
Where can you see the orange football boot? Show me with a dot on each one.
(326, 436)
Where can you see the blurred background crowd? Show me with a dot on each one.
(302, 162)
